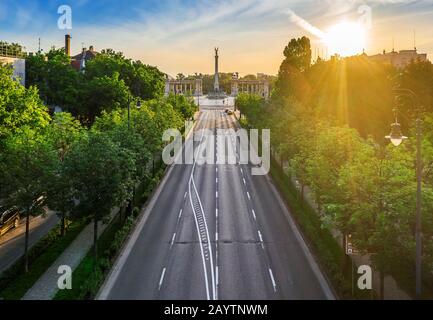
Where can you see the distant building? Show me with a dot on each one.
(399, 59)
(18, 66)
(182, 87)
(14, 56)
(79, 61)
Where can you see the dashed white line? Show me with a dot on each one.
(273, 280)
(244, 181)
(248, 194)
(184, 197)
(161, 279)
(180, 214)
(216, 236)
(261, 239)
(260, 235)
(216, 180)
(172, 240)
(254, 214)
(216, 213)
(216, 194)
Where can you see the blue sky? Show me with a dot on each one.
(179, 35)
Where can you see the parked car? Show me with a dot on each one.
(9, 219)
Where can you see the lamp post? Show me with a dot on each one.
(138, 106)
(397, 138)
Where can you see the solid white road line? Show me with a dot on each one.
(273, 280)
(217, 277)
(161, 279)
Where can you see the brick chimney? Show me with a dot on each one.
(68, 45)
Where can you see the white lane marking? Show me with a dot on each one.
(254, 214)
(273, 280)
(201, 236)
(180, 214)
(245, 183)
(184, 197)
(172, 240)
(217, 275)
(161, 279)
(261, 239)
(216, 169)
(242, 171)
(216, 213)
(216, 180)
(248, 194)
(260, 235)
(216, 194)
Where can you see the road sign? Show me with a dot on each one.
(350, 249)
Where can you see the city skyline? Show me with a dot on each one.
(178, 36)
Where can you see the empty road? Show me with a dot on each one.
(215, 232)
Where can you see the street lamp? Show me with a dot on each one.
(397, 138)
(396, 135)
(138, 106)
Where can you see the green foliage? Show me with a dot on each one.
(100, 171)
(328, 123)
(102, 94)
(53, 75)
(144, 81)
(183, 105)
(63, 132)
(14, 282)
(24, 165)
(18, 106)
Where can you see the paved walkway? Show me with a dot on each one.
(46, 287)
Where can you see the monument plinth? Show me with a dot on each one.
(217, 93)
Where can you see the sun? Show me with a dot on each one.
(345, 39)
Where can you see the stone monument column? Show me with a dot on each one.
(216, 85)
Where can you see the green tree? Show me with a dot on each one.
(297, 60)
(57, 81)
(143, 81)
(18, 106)
(102, 94)
(102, 177)
(25, 164)
(62, 133)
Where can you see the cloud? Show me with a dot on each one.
(178, 36)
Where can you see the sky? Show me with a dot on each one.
(178, 36)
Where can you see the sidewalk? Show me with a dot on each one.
(46, 287)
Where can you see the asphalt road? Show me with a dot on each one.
(215, 232)
(12, 243)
